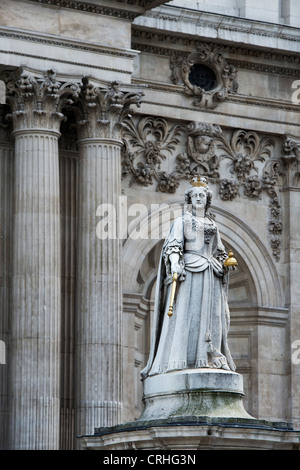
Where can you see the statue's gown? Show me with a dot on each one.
(196, 335)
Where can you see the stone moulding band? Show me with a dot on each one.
(37, 131)
(54, 40)
(99, 141)
(194, 379)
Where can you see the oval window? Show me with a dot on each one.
(202, 76)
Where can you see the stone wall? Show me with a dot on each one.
(243, 133)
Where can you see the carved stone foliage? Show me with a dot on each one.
(289, 165)
(241, 163)
(205, 74)
(152, 139)
(101, 111)
(36, 102)
(244, 150)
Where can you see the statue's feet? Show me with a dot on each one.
(225, 367)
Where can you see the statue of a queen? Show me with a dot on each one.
(195, 335)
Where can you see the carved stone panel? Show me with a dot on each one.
(241, 163)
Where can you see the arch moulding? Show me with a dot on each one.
(235, 232)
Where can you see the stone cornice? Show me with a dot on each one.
(165, 44)
(272, 316)
(250, 64)
(53, 40)
(192, 23)
(124, 9)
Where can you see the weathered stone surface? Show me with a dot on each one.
(202, 392)
(257, 213)
(191, 433)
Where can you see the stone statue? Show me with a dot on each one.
(195, 335)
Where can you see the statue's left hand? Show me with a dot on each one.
(174, 261)
(175, 268)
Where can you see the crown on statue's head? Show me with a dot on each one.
(199, 181)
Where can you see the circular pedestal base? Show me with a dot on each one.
(196, 434)
(192, 410)
(194, 392)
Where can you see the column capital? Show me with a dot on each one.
(36, 101)
(100, 111)
(289, 165)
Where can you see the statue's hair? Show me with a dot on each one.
(209, 194)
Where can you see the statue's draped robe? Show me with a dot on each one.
(196, 335)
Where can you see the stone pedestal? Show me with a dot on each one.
(195, 392)
(199, 409)
(194, 433)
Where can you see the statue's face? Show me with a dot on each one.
(198, 198)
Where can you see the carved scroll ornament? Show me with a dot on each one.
(152, 139)
(209, 59)
(245, 159)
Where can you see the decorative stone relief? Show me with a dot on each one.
(152, 139)
(36, 102)
(205, 74)
(247, 162)
(289, 167)
(200, 148)
(244, 149)
(101, 111)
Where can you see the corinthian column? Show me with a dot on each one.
(35, 323)
(98, 364)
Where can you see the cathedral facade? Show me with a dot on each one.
(108, 109)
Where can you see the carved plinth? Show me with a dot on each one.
(194, 434)
(193, 410)
(195, 392)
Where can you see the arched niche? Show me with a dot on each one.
(241, 286)
(257, 272)
(255, 296)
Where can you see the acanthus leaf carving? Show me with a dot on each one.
(244, 149)
(249, 157)
(37, 102)
(152, 139)
(101, 111)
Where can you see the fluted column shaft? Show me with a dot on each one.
(36, 292)
(35, 326)
(99, 290)
(98, 364)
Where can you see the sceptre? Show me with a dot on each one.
(173, 289)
